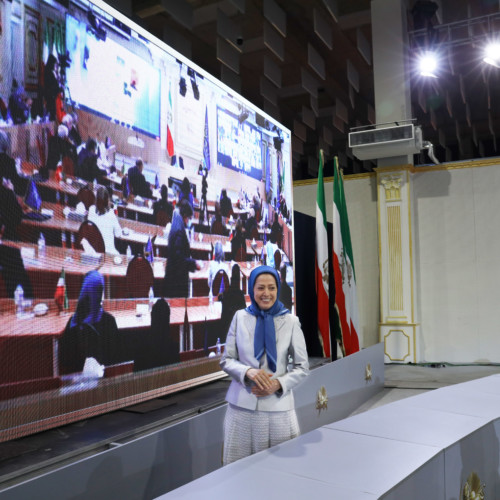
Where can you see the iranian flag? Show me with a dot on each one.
(322, 265)
(61, 294)
(346, 303)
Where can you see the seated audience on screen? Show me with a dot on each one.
(12, 268)
(285, 290)
(238, 241)
(226, 207)
(179, 260)
(8, 166)
(276, 228)
(19, 104)
(256, 203)
(185, 192)
(91, 331)
(283, 208)
(60, 147)
(233, 299)
(87, 167)
(105, 219)
(163, 349)
(70, 120)
(137, 182)
(163, 203)
(11, 211)
(250, 224)
(271, 247)
(217, 225)
(216, 264)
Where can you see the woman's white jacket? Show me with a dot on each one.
(239, 356)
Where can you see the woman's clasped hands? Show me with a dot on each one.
(264, 384)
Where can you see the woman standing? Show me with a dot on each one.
(179, 260)
(259, 342)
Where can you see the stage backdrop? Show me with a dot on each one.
(136, 98)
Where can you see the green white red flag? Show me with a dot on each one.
(346, 331)
(61, 294)
(322, 265)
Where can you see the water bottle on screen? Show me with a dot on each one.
(129, 253)
(151, 299)
(218, 348)
(41, 245)
(19, 300)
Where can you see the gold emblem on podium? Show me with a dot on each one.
(368, 372)
(473, 489)
(322, 399)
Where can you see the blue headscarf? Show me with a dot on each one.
(89, 309)
(265, 334)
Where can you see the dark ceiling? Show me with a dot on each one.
(308, 64)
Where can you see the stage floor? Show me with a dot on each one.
(30, 456)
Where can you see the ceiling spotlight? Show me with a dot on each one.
(492, 54)
(428, 64)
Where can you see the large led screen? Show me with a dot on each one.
(137, 193)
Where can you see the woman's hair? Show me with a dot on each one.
(185, 209)
(67, 120)
(235, 276)
(218, 252)
(186, 186)
(62, 131)
(51, 62)
(91, 145)
(102, 200)
(164, 192)
(217, 213)
(238, 228)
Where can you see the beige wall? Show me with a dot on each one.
(457, 247)
(456, 232)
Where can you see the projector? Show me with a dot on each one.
(385, 142)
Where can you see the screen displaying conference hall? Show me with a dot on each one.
(117, 156)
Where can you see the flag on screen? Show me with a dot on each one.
(346, 330)
(186, 328)
(33, 199)
(170, 143)
(322, 264)
(170, 140)
(206, 143)
(61, 295)
(157, 182)
(149, 251)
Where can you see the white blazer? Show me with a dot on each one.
(239, 356)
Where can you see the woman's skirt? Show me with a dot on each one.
(249, 431)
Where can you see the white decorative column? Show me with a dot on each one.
(398, 328)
